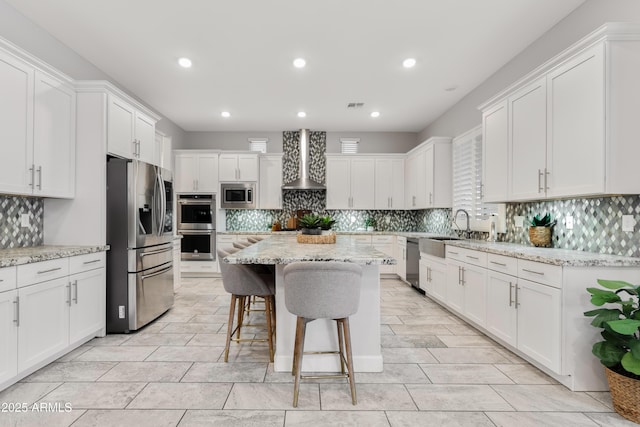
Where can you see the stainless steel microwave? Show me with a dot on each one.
(241, 195)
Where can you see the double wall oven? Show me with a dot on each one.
(197, 225)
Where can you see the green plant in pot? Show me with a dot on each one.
(326, 222)
(619, 352)
(310, 224)
(370, 223)
(540, 230)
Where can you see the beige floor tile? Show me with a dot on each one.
(454, 341)
(432, 330)
(371, 397)
(464, 355)
(411, 341)
(153, 328)
(191, 328)
(256, 352)
(233, 418)
(226, 372)
(430, 320)
(272, 396)
(510, 356)
(130, 417)
(610, 419)
(394, 373)
(390, 320)
(407, 355)
(537, 419)
(40, 418)
(525, 374)
(548, 398)
(158, 339)
(336, 418)
(438, 397)
(74, 353)
(463, 330)
(116, 354)
(465, 374)
(71, 371)
(95, 395)
(603, 397)
(169, 317)
(441, 419)
(26, 392)
(182, 396)
(147, 372)
(210, 318)
(209, 340)
(385, 330)
(185, 354)
(115, 339)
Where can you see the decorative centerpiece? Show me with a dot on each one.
(370, 223)
(316, 229)
(620, 350)
(540, 231)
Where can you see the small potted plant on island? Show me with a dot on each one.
(620, 350)
(540, 230)
(310, 224)
(326, 222)
(316, 229)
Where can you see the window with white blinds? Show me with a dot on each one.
(258, 144)
(349, 145)
(467, 183)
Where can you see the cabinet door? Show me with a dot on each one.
(501, 310)
(474, 282)
(228, 168)
(389, 183)
(54, 137)
(207, 181)
(270, 182)
(166, 152)
(409, 182)
(158, 151)
(338, 183)
(429, 169)
(247, 167)
(528, 118)
(424, 276)
(186, 173)
(539, 322)
(401, 256)
(455, 291)
(16, 131)
(576, 116)
(87, 312)
(418, 197)
(495, 153)
(9, 334)
(120, 128)
(145, 135)
(38, 339)
(438, 280)
(362, 184)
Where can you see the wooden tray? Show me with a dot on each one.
(317, 239)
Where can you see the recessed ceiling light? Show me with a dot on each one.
(409, 63)
(299, 62)
(375, 114)
(184, 62)
(302, 114)
(225, 114)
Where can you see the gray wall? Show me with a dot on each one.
(370, 142)
(32, 38)
(592, 14)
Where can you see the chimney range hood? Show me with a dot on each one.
(304, 182)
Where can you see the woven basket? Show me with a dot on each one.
(540, 236)
(317, 239)
(625, 394)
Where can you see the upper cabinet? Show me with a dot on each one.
(238, 167)
(350, 182)
(389, 183)
(131, 133)
(37, 156)
(570, 127)
(428, 175)
(270, 183)
(162, 151)
(195, 171)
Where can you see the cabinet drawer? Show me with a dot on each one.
(541, 273)
(37, 272)
(503, 264)
(466, 255)
(382, 240)
(7, 278)
(80, 263)
(401, 240)
(361, 240)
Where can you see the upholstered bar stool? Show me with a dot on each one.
(243, 282)
(323, 290)
(242, 245)
(255, 239)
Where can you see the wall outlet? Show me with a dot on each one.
(519, 221)
(121, 311)
(628, 223)
(24, 220)
(568, 222)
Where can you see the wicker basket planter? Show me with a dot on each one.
(625, 394)
(540, 236)
(327, 237)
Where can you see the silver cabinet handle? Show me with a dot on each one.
(459, 275)
(16, 305)
(539, 181)
(463, 281)
(453, 253)
(135, 148)
(69, 294)
(510, 294)
(534, 272)
(391, 202)
(546, 175)
(75, 285)
(498, 263)
(91, 262)
(472, 257)
(414, 200)
(517, 303)
(430, 198)
(39, 177)
(32, 170)
(49, 270)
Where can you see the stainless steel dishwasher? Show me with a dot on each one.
(413, 263)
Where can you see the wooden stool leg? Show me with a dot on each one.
(240, 315)
(232, 308)
(297, 357)
(296, 344)
(347, 342)
(340, 326)
(267, 307)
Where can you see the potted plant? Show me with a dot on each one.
(326, 222)
(370, 223)
(310, 224)
(620, 350)
(540, 230)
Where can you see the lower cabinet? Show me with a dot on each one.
(385, 244)
(87, 306)
(9, 334)
(502, 315)
(401, 257)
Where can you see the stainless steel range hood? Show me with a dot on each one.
(304, 182)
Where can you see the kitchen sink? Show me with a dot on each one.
(435, 246)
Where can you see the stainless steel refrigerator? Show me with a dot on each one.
(140, 234)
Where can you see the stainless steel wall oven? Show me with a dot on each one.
(197, 226)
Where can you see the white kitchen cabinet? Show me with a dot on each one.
(386, 245)
(196, 171)
(131, 133)
(428, 175)
(236, 167)
(88, 296)
(502, 315)
(454, 295)
(495, 153)
(433, 276)
(389, 183)
(401, 256)
(270, 182)
(350, 182)
(415, 179)
(9, 334)
(474, 282)
(167, 147)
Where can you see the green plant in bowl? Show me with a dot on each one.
(326, 222)
(545, 221)
(310, 224)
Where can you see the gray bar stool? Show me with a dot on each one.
(254, 239)
(241, 245)
(323, 290)
(243, 282)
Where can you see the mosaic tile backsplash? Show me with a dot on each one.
(12, 235)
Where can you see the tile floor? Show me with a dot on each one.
(438, 371)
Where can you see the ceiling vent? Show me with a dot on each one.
(355, 105)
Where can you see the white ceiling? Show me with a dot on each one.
(242, 53)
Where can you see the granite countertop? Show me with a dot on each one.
(563, 257)
(338, 232)
(284, 249)
(19, 256)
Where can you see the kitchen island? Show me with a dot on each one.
(280, 250)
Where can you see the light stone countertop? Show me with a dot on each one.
(346, 233)
(284, 249)
(27, 255)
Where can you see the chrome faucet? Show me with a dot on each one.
(468, 230)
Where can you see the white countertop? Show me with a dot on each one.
(27, 255)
